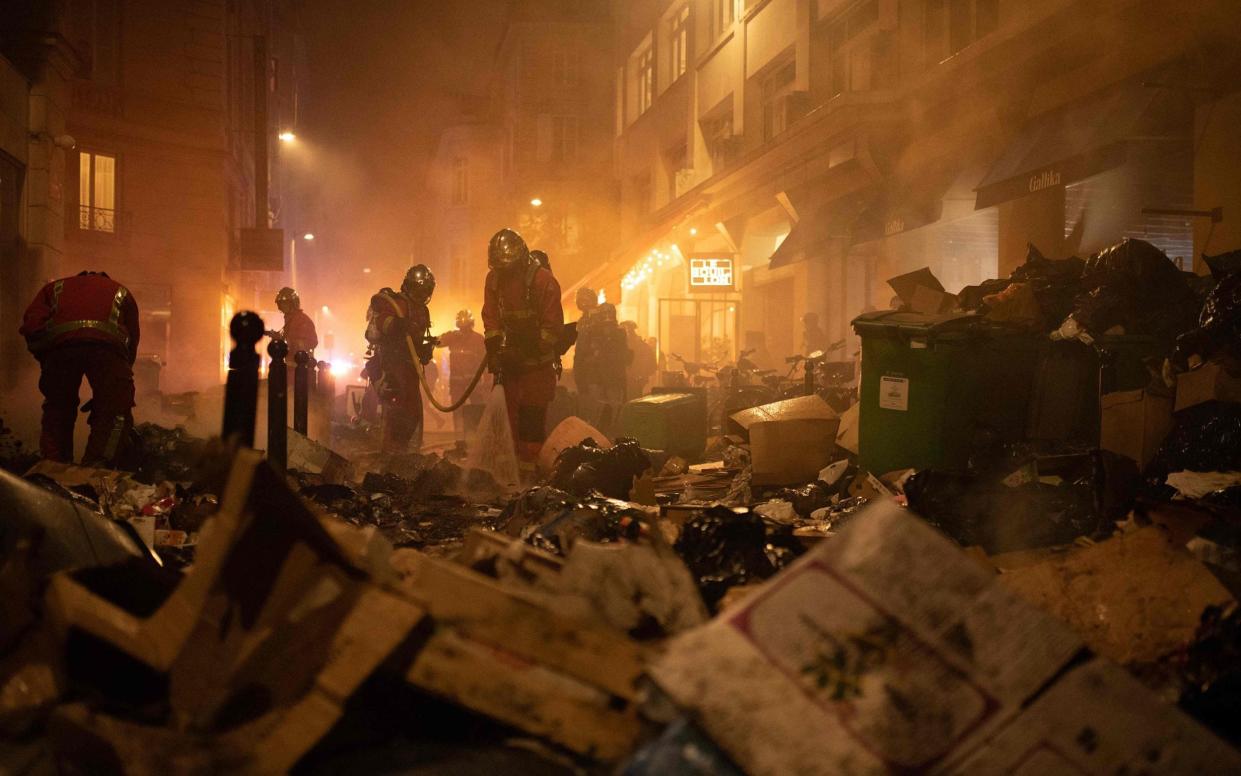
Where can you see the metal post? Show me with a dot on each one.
(301, 393)
(278, 406)
(241, 392)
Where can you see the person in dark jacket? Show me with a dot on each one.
(84, 326)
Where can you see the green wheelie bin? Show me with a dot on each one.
(935, 387)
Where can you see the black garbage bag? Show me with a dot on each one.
(983, 511)
(1211, 673)
(597, 520)
(586, 468)
(161, 454)
(808, 498)
(726, 547)
(1136, 286)
(1219, 322)
(1204, 438)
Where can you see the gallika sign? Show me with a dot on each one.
(711, 273)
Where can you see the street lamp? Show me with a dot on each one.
(309, 237)
(536, 202)
(287, 136)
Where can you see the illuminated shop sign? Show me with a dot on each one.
(711, 273)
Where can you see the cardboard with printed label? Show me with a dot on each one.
(886, 650)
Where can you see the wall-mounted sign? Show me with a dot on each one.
(712, 273)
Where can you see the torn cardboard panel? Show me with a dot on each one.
(570, 432)
(1097, 719)
(905, 285)
(522, 622)
(1134, 424)
(307, 455)
(1133, 598)
(525, 694)
(1218, 380)
(883, 649)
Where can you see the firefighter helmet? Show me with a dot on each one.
(465, 320)
(419, 283)
(587, 299)
(607, 312)
(507, 250)
(287, 300)
(542, 258)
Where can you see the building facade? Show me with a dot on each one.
(533, 153)
(820, 147)
(173, 109)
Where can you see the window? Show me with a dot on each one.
(557, 138)
(852, 51)
(460, 181)
(723, 14)
(679, 40)
(777, 89)
(952, 25)
(95, 32)
(565, 65)
(96, 192)
(646, 79)
(564, 139)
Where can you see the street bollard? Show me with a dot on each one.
(241, 392)
(301, 393)
(326, 396)
(278, 406)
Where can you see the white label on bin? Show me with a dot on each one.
(894, 393)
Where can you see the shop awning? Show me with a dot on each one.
(1083, 139)
(827, 231)
(898, 210)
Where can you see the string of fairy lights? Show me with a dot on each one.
(654, 260)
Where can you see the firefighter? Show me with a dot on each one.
(542, 259)
(393, 319)
(84, 326)
(583, 367)
(299, 330)
(611, 357)
(813, 338)
(466, 351)
(523, 324)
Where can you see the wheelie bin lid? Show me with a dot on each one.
(906, 323)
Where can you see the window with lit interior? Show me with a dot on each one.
(96, 192)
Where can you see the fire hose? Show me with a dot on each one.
(422, 378)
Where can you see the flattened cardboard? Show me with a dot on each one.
(932, 302)
(1210, 382)
(904, 286)
(885, 649)
(1134, 424)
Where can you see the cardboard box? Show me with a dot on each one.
(1213, 381)
(1134, 424)
(790, 440)
(887, 650)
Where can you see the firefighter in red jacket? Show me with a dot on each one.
(391, 319)
(523, 326)
(299, 330)
(84, 326)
